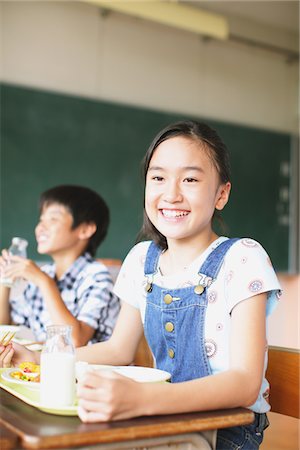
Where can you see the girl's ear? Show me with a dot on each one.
(86, 230)
(222, 195)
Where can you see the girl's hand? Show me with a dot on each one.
(6, 355)
(105, 395)
(21, 268)
(13, 354)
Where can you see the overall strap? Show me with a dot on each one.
(153, 253)
(211, 266)
(207, 272)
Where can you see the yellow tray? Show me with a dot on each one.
(32, 397)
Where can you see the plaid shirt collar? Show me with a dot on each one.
(73, 271)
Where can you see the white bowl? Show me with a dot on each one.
(143, 374)
(137, 373)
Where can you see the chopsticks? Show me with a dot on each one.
(7, 337)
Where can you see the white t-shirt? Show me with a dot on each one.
(245, 272)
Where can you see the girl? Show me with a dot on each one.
(202, 300)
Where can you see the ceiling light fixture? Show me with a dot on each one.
(172, 14)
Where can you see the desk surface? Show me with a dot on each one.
(8, 439)
(36, 429)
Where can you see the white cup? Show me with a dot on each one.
(81, 367)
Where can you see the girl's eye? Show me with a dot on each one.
(157, 178)
(190, 180)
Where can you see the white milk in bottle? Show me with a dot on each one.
(57, 385)
(18, 248)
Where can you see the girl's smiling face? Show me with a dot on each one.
(183, 189)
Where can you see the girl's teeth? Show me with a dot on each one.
(169, 213)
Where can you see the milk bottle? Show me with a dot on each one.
(18, 247)
(57, 385)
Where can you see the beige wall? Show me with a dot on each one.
(283, 328)
(70, 47)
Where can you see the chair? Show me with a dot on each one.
(143, 356)
(283, 376)
(113, 266)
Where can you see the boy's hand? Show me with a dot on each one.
(4, 261)
(19, 267)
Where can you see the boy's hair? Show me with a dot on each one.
(85, 206)
(210, 142)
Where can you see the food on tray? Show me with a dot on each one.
(29, 367)
(27, 371)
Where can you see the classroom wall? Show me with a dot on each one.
(72, 47)
(283, 325)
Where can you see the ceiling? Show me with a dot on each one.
(276, 13)
(219, 19)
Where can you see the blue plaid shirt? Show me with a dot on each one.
(86, 289)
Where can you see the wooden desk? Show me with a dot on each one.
(8, 439)
(39, 430)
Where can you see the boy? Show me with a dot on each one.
(75, 289)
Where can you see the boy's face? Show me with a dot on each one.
(54, 233)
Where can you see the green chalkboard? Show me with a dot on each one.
(49, 139)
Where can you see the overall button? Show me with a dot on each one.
(171, 353)
(199, 289)
(169, 326)
(168, 299)
(148, 287)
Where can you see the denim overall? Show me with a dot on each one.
(175, 324)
